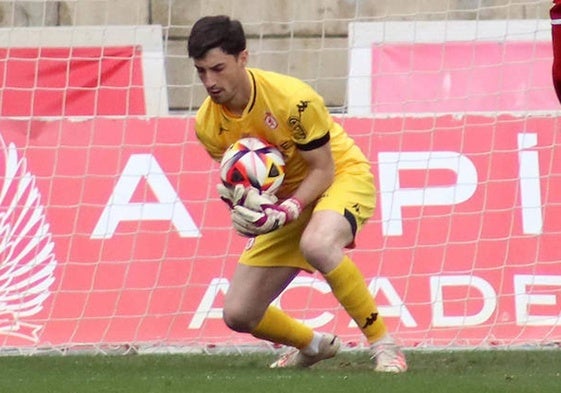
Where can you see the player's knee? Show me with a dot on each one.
(239, 320)
(315, 248)
(236, 322)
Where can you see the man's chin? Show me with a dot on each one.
(217, 99)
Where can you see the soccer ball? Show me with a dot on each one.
(253, 162)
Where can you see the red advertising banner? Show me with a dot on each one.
(71, 81)
(443, 67)
(462, 77)
(112, 233)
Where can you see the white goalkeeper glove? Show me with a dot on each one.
(260, 214)
(231, 196)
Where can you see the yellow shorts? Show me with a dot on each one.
(352, 194)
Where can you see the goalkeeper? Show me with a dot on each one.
(327, 196)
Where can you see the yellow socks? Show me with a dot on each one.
(349, 287)
(278, 327)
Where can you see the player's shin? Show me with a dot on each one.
(349, 287)
(278, 327)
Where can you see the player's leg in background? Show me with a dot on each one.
(555, 13)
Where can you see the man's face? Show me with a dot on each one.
(221, 74)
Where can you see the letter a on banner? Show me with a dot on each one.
(169, 206)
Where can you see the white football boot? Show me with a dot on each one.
(387, 356)
(328, 347)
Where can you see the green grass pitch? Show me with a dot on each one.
(434, 372)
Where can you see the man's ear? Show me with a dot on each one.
(243, 57)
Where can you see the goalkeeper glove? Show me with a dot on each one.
(260, 214)
(231, 196)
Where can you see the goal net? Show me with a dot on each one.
(113, 236)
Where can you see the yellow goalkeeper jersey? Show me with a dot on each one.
(288, 113)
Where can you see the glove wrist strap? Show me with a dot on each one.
(293, 208)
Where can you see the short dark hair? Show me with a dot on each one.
(217, 31)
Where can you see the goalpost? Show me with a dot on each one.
(114, 239)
